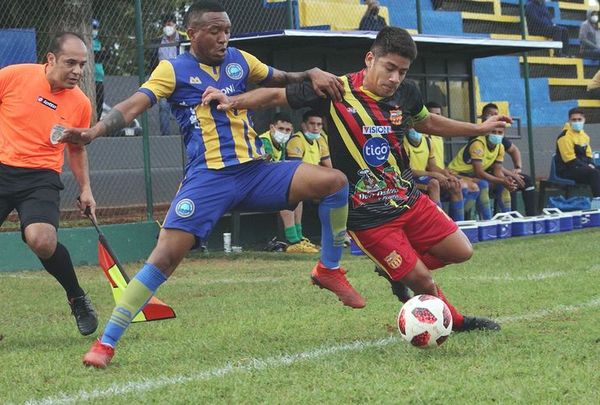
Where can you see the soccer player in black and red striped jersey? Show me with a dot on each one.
(399, 228)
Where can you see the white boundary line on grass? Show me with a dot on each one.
(261, 364)
(528, 277)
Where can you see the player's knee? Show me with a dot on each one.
(337, 181)
(42, 244)
(433, 185)
(462, 253)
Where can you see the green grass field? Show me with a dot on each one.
(251, 329)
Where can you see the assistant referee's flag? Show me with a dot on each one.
(154, 309)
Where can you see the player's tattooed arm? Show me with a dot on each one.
(256, 99)
(324, 83)
(122, 114)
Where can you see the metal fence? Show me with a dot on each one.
(134, 176)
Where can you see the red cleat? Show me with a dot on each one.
(99, 355)
(336, 282)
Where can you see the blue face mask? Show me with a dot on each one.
(414, 136)
(577, 126)
(311, 136)
(495, 139)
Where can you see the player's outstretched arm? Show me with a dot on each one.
(255, 99)
(447, 127)
(118, 118)
(324, 83)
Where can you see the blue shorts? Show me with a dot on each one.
(206, 194)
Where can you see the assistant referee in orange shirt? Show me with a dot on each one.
(36, 102)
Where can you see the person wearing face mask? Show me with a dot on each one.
(308, 146)
(372, 21)
(589, 35)
(167, 47)
(481, 159)
(539, 22)
(100, 55)
(431, 178)
(574, 154)
(524, 182)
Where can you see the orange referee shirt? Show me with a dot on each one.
(29, 110)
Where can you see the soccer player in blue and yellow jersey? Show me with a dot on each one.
(481, 160)
(399, 228)
(225, 170)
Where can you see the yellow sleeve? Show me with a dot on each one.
(161, 82)
(477, 150)
(566, 148)
(294, 149)
(323, 147)
(259, 72)
(501, 152)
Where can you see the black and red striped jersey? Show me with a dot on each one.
(365, 142)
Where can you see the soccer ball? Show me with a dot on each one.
(425, 321)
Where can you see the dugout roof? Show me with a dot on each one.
(427, 44)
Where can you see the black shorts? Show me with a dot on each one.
(34, 193)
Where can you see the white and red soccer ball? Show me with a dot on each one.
(425, 321)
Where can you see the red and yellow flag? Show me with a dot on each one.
(154, 309)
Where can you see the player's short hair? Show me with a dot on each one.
(57, 41)
(394, 40)
(196, 10)
(576, 110)
(433, 104)
(169, 18)
(281, 116)
(310, 113)
(488, 106)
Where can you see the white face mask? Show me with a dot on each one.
(280, 137)
(169, 30)
(594, 19)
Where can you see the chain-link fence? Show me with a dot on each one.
(126, 190)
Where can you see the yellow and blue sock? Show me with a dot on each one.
(469, 197)
(483, 202)
(333, 213)
(457, 210)
(138, 292)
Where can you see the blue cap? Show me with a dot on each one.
(95, 23)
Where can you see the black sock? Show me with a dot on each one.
(61, 267)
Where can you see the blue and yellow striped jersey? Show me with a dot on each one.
(213, 139)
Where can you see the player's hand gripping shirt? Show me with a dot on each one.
(28, 112)
(213, 139)
(476, 150)
(365, 142)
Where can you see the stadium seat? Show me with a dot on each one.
(556, 182)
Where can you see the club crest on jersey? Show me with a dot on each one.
(185, 208)
(396, 117)
(234, 71)
(376, 151)
(394, 260)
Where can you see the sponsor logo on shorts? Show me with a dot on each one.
(185, 208)
(376, 151)
(47, 102)
(234, 71)
(394, 260)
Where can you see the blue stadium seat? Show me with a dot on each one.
(556, 182)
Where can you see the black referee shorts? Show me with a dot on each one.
(34, 193)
